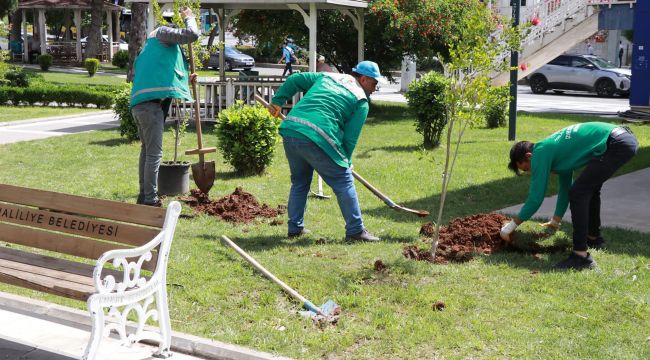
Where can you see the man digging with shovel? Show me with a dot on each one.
(320, 133)
(161, 74)
(603, 148)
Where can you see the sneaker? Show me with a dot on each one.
(597, 243)
(362, 236)
(298, 234)
(576, 262)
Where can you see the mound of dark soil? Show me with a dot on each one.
(238, 207)
(462, 238)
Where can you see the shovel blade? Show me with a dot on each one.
(203, 174)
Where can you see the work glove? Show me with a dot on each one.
(507, 230)
(551, 224)
(275, 110)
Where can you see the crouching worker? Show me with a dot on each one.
(320, 133)
(603, 148)
(161, 74)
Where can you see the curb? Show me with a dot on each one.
(53, 118)
(182, 343)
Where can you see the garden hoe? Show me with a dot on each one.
(203, 172)
(374, 190)
(327, 313)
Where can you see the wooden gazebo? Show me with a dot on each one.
(226, 9)
(69, 51)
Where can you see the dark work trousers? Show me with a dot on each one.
(287, 68)
(584, 195)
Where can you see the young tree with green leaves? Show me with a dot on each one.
(471, 62)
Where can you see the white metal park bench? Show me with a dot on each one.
(46, 238)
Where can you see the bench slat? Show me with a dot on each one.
(47, 262)
(107, 209)
(78, 225)
(46, 284)
(46, 240)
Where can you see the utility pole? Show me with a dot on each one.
(514, 65)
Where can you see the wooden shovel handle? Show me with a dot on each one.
(197, 108)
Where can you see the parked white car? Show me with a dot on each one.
(123, 45)
(582, 73)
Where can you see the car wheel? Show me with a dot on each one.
(538, 84)
(605, 88)
(228, 66)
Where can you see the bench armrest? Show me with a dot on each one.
(130, 261)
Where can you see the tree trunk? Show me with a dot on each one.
(94, 41)
(16, 24)
(67, 22)
(137, 34)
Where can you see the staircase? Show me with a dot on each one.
(564, 23)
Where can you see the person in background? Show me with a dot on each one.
(621, 50)
(287, 53)
(320, 133)
(321, 66)
(603, 148)
(161, 74)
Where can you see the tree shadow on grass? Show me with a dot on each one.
(112, 142)
(367, 154)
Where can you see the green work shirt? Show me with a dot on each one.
(331, 113)
(562, 153)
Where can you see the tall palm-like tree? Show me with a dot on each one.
(137, 34)
(94, 41)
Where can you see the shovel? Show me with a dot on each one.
(374, 190)
(328, 312)
(202, 172)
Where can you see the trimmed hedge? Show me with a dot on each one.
(45, 61)
(91, 65)
(120, 59)
(66, 95)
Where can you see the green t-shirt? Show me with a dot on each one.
(331, 113)
(562, 153)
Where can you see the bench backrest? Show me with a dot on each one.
(75, 225)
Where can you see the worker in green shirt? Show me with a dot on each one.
(603, 148)
(320, 133)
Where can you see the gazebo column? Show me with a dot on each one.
(42, 32)
(151, 22)
(25, 44)
(109, 33)
(310, 22)
(77, 26)
(358, 21)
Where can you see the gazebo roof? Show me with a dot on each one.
(71, 4)
(274, 4)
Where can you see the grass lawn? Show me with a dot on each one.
(504, 305)
(14, 113)
(78, 78)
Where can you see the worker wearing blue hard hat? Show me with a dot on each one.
(320, 133)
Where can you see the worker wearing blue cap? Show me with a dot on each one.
(320, 133)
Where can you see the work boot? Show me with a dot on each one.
(596, 244)
(298, 234)
(362, 236)
(156, 203)
(576, 262)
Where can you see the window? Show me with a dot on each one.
(579, 62)
(561, 61)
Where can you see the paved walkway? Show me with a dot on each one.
(625, 203)
(37, 330)
(11, 132)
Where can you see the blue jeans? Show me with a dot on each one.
(150, 119)
(304, 157)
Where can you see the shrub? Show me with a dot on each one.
(496, 106)
(426, 99)
(45, 94)
(45, 61)
(17, 77)
(128, 127)
(121, 59)
(91, 65)
(247, 137)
